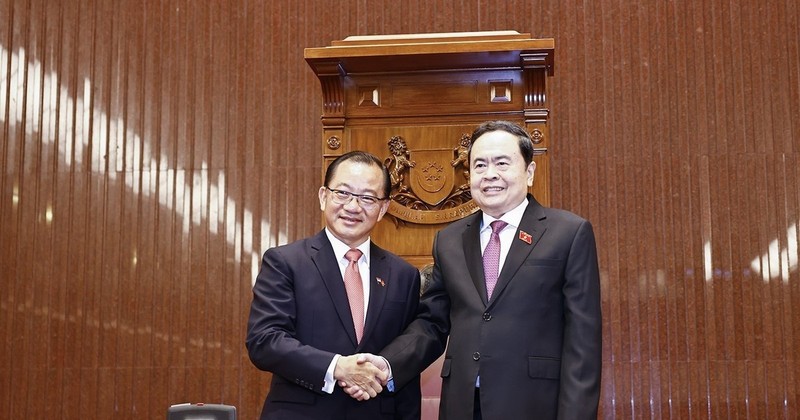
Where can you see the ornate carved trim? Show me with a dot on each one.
(537, 136)
(535, 68)
(332, 96)
(334, 142)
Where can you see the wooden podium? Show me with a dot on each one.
(413, 100)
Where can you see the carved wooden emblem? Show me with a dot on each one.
(537, 136)
(334, 142)
(429, 186)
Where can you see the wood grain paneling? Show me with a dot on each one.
(151, 151)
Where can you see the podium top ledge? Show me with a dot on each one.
(429, 43)
(429, 37)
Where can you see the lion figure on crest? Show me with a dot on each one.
(399, 162)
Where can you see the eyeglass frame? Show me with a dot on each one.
(338, 198)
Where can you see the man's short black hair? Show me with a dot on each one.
(360, 157)
(525, 142)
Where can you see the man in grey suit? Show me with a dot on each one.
(319, 301)
(522, 345)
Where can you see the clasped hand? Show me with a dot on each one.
(362, 376)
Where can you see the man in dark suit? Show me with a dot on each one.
(306, 325)
(528, 344)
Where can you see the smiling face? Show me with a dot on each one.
(351, 223)
(499, 177)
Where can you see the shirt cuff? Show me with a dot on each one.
(330, 383)
(390, 381)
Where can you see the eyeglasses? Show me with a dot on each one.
(366, 202)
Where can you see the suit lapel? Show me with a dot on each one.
(533, 223)
(379, 275)
(471, 241)
(325, 260)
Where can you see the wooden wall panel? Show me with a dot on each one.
(151, 151)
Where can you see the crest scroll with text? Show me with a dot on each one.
(429, 186)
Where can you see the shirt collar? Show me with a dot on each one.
(340, 248)
(513, 217)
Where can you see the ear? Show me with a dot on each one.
(384, 209)
(321, 193)
(530, 170)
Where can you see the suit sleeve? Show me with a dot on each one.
(582, 350)
(271, 336)
(425, 338)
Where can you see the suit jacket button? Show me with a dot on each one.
(487, 316)
(476, 356)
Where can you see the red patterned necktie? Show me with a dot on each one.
(355, 291)
(491, 257)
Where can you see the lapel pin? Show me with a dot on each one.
(525, 236)
(380, 281)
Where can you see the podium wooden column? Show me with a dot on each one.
(413, 100)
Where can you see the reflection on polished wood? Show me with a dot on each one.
(151, 151)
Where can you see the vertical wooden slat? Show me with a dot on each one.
(55, 308)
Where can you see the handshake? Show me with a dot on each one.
(362, 376)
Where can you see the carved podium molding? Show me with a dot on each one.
(413, 100)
